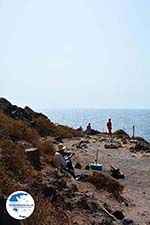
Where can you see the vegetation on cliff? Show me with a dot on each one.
(23, 129)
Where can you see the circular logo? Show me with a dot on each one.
(20, 205)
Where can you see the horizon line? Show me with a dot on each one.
(88, 108)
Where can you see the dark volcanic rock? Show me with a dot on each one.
(33, 155)
(82, 203)
(82, 144)
(127, 221)
(73, 188)
(59, 139)
(111, 146)
(118, 214)
(34, 114)
(87, 167)
(13, 111)
(5, 105)
(95, 132)
(18, 112)
(141, 146)
(93, 205)
(78, 166)
(121, 134)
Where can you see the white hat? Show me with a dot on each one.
(61, 147)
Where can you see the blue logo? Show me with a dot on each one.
(20, 205)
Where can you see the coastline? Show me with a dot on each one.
(121, 119)
(32, 139)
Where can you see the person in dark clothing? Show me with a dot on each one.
(109, 127)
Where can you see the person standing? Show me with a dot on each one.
(109, 127)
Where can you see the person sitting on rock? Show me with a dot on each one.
(80, 129)
(62, 160)
(88, 129)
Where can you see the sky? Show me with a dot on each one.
(75, 53)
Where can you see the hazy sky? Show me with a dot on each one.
(75, 53)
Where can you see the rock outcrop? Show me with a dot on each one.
(121, 134)
(141, 146)
(18, 112)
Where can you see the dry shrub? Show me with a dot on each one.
(17, 129)
(67, 132)
(31, 136)
(101, 181)
(8, 184)
(45, 128)
(14, 160)
(46, 147)
(46, 214)
(140, 139)
(121, 134)
(42, 126)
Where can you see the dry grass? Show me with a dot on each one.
(21, 130)
(101, 181)
(46, 214)
(67, 132)
(14, 160)
(42, 126)
(46, 128)
(8, 184)
(46, 148)
(17, 129)
(16, 171)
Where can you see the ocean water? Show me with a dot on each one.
(121, 119)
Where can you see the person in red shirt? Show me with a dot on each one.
(109, 127)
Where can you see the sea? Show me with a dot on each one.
(121, 119)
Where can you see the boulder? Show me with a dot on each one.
(5, 106)
(111, 146)
(93, 206)
(141, 146)
(95, 132)
(118, 214)
(34, 114)
(127, 221)
(73, 187)
(121, 134)
(78, 166)
(82, 144)
(33, 155)
(87, 167)
(59, 139)
(83, 202)
(18, 112)
(119, 143)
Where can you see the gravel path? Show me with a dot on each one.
(136, 168)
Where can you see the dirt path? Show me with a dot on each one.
(136, 168)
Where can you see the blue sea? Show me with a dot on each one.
(121, 119)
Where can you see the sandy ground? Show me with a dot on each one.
(136, 168)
